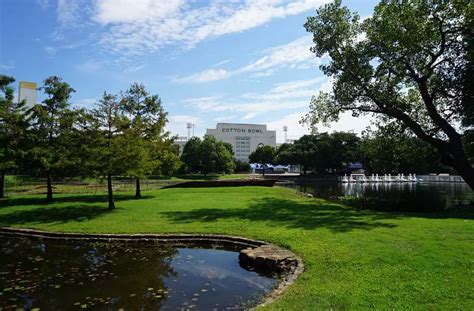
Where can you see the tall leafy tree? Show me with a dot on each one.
(148, 119)
(405, 63)
(13, 126)
(52, 124)
(106, 141)
(207, 156)
(167, 154)
(190, 155)
(215, 156)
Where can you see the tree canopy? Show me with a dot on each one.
(208, 156)
(406, 63)
(52, 129)
(13, 127)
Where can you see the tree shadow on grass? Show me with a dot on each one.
(291, 214)
(50, 215)
(87, 198)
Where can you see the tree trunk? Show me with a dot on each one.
(49, 188)
(462, 164)
(110, 192)
(2, 184)
(138, 192)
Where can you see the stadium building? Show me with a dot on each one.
(244, 138)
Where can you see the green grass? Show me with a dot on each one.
(354, 259)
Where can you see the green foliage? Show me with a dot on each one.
(408, 63)
(242, 167)
(263, 155)
(13, 126)
(104, 139)
(146, 131)
(207, 156)
(52, 131)
(393, 153)
(191, 155)
(321, 153)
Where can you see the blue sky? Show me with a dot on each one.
(217, 61)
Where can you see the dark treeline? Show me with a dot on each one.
(123, 135)
(379, 152)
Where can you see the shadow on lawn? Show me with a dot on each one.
(45, 215)
(288, 213)
(100, 198)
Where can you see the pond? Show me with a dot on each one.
(54, 275)
(413, 196)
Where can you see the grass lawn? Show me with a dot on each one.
(354, 259)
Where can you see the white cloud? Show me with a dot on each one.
(7, 67)
(295, 54)
(220, 63)
(294, 89)
(135, 11)
(67, 11)
(177, 124)
(346, 123)
(85, 102)
(143, 26)
(44, 4)
(295, 129)
(90, 66)
(284, 96)
(51, 51)
(205, 76)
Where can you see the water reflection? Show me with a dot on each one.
(438, 195)
(108, 276)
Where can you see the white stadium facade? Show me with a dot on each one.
(244, 138)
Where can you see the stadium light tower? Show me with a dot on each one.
(285, 129)
(189, 125)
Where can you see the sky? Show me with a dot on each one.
(209, 61)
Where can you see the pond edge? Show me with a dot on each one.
(288, 277)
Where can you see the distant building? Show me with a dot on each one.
(27, 91)
(244, 138)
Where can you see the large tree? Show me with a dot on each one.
(148, 119)
(13, 126)
(407, 62)
(52, 127)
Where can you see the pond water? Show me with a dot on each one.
(423, 196)
(53, 275)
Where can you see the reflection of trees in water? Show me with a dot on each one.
(54, 275)
(441, 194)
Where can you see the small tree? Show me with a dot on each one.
(106, 157)
(263, 155)
(13, 126)
(147, 123)
(167, 154)
(215, 156)
(51, 123)
(190, 155)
